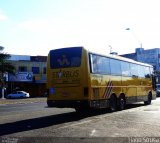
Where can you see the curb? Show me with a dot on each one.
(22, 101)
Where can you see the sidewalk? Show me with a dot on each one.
(21, 101)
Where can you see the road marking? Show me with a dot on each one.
(92, 133)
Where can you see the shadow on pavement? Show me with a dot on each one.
(46, 121)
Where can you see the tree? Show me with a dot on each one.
(5, 66)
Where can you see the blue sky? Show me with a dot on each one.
(33, 27)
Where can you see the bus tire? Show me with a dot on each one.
(121, 102)
(149, 99)
(113, 103)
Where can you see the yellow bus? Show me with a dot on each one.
(80, 79)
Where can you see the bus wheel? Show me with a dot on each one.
(121, 103)
(149, 99)
(113, 103)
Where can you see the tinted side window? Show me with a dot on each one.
(125, 67)
(151, 70)
(134, 70)
(147, 72)
(99, 64)
(115, 67)
(141, 70)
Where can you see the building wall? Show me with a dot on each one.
(151, 56)
(36, 66)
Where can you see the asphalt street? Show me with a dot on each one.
(35, 120)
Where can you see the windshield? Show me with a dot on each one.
(66, 58)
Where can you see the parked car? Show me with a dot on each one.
(18, 94)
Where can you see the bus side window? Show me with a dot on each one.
(134, 71)
(141, 71)
(125, 67)
(115, 66)
(99, 64)
(147, 72)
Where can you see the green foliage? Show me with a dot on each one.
(5, 66)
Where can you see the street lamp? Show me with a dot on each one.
(110, 48)
(128, 29)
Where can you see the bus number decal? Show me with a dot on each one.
(66, 74)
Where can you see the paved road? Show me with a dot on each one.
(12, 109)
(36, 120)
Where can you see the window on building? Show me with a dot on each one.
(44, 70)
(159, 60)
(22, 69)
(35, 70)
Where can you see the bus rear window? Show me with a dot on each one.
(65, 58)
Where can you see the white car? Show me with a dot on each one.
(18, 94)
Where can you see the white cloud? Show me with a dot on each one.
(33, 25)
(3, 16)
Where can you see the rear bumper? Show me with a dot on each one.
(78, 103)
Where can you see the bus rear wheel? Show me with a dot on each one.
(113, 103)
(149, 99)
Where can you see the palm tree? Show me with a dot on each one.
(5, 66)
